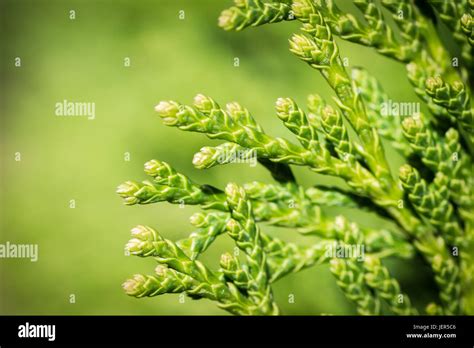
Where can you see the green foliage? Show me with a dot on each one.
(430, 203)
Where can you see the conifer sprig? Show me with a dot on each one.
(378, 278)
(449, 13)
(350, 273)
(204, 282)
(431, 205)
(376, 100)
(253, 13)
(243, 229)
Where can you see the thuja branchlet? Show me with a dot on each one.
(430, 198)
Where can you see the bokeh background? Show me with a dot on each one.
(81, 250)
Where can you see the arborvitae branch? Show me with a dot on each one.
(433, 215)
(243, 229)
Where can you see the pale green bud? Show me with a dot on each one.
(168, 111)
(204, 104)
(197, 219)
(226, 261)
(205, 158)
(284, 106)
(227, 19)
(145, 233)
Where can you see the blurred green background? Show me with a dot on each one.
(81, 250)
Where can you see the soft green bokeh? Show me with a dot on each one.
(81, 250)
